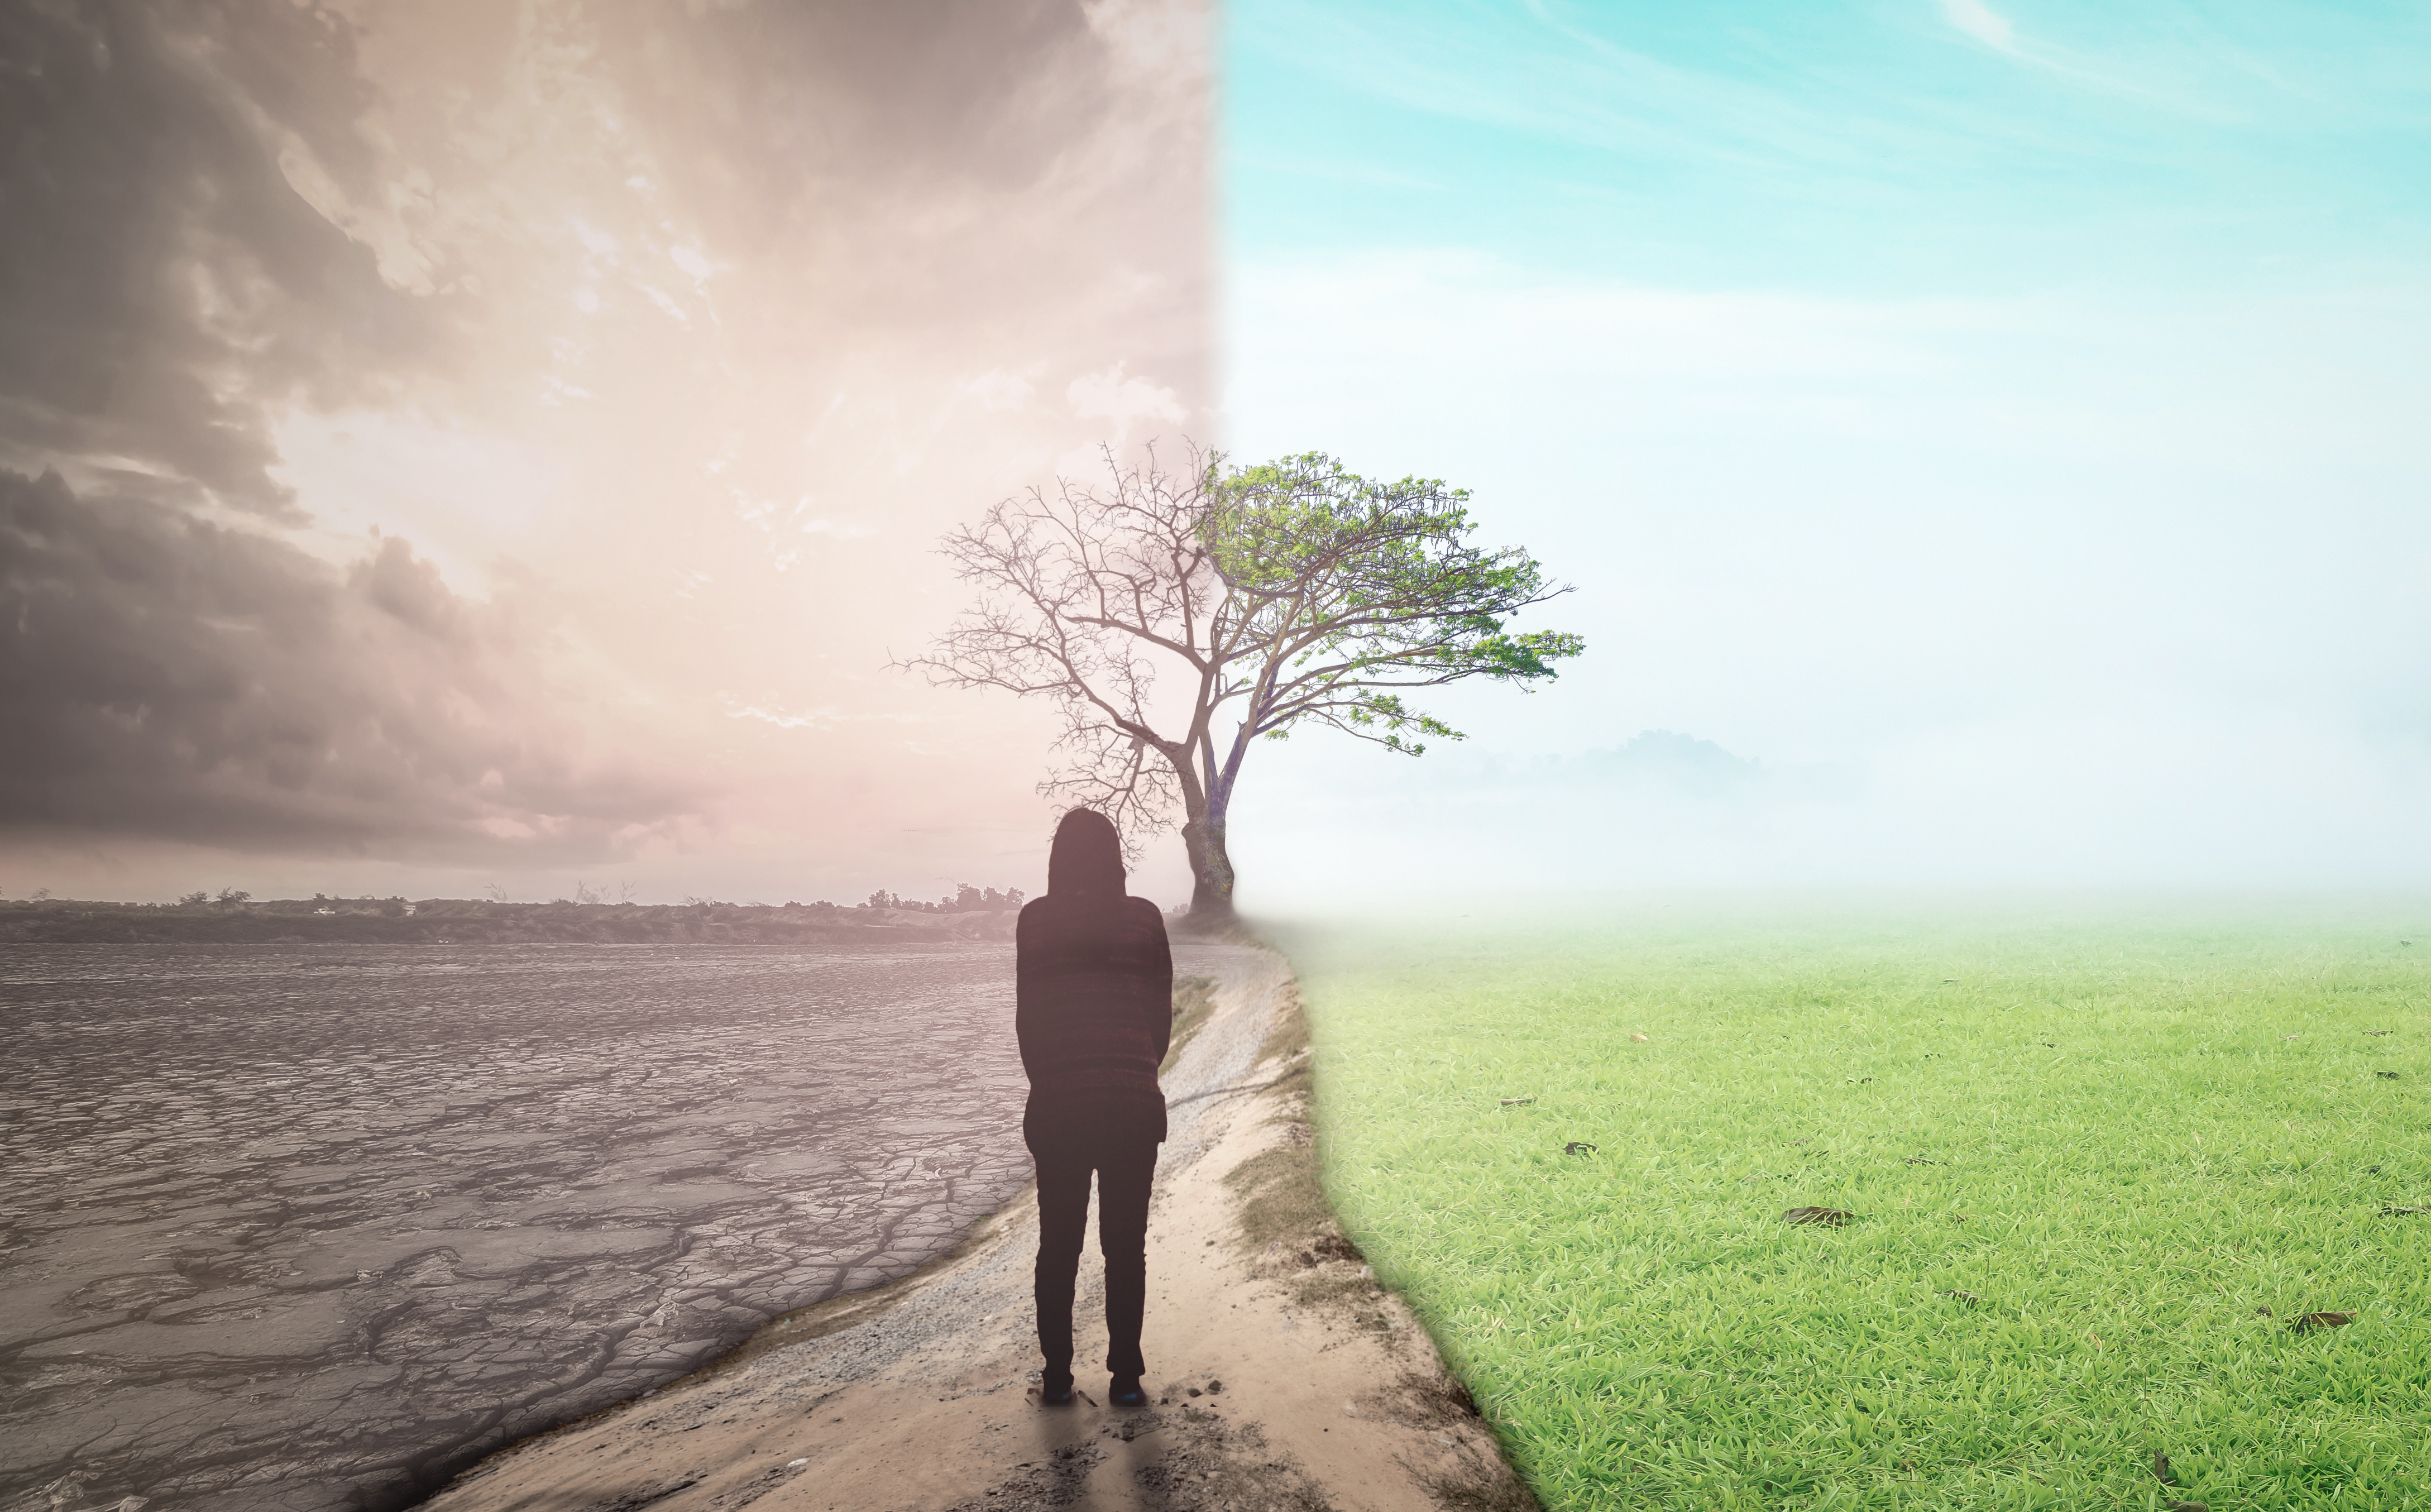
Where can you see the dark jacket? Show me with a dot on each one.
(1093, 1013)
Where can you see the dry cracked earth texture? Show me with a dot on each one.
(1282, 1377)
(291, 1228)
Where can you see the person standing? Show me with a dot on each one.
(1094, 1014)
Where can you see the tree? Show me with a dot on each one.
(1293, 592)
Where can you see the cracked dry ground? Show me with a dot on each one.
(307, 1227)
(1286, 1378)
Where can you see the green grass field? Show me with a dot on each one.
(2124, 1139)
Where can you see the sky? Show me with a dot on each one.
(1985, 439)
(457, 447)
(449, 446)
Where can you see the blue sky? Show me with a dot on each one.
(2003, 422)
(1909, 146)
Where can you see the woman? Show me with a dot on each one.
(1093, 1013)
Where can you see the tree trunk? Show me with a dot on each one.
(1211, 870)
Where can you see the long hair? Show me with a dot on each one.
(1086, 864)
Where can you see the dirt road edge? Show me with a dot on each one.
(1282, 1374)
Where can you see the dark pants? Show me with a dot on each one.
(1126, 1166)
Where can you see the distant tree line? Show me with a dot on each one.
(966, 900)
(972, 914)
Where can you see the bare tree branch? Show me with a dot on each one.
(1269, 596)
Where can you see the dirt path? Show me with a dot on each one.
(1282, 1376)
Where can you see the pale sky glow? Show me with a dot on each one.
(2016, 458)
(1980, 21)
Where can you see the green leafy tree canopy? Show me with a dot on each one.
(1177, 617)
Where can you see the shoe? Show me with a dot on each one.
(1124, 1391)
(1055, 1396)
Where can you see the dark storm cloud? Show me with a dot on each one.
(949, 165)
(161, 284)
(166, 678)
(549, 290)
(879, 98)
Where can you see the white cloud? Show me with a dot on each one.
(666, 302)
(1110, 395)
(826, 716)
(599, 243)
(844, 531)
(463, 496)
(784, 719)
(405, 259)
(998, 389)
(1152, 40)
(1981, 22)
